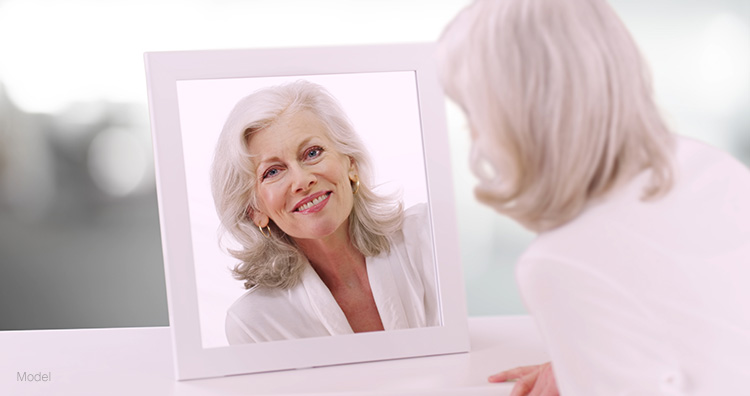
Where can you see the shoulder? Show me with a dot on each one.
(411, 247)
(416, 218)
(696, 158)
(541, 276)
(416, 245)
(417, 211)
(703, 166)
(691, 151)
(269, 314)
(415, 229)
(257, 301)
(712, 189)
(412, 268)
(253, 297)
(257, 311)
(246, 306)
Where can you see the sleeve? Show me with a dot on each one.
(601, 339)
(236, 331)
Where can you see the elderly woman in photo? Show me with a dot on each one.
(321, 253)
(638, 278)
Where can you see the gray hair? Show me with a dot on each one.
(560, 102)
(276, 261)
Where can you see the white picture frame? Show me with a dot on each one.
(192, 92)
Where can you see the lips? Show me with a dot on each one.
(312, 203)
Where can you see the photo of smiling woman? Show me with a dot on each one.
(321, 252)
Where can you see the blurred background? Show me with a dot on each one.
(79, 226)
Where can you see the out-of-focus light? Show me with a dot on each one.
(58, 52)
(117, 161)
(724, 64)
(27, 181)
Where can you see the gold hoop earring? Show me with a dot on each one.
(356, 187)
(266, 233)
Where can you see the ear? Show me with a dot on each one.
(353, 169)
(258, 217)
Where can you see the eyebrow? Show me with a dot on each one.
(305, 143)
(267, 160)
(300, 147)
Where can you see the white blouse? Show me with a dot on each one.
(650, 298)
(403, 285)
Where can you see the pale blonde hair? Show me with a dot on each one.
(560, 104)
(276, 261)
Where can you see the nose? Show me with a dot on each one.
(302, 180)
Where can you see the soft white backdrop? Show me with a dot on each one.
(384, 110)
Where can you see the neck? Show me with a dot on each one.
(335, 259)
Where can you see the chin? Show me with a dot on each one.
(320, 231)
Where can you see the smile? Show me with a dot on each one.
(315, 203)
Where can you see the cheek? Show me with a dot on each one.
(269, 199)
(340, 170)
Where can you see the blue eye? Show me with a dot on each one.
(313, 152)
(270, 173)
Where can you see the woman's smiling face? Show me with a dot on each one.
(302, 181)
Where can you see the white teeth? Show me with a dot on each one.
(312, 203)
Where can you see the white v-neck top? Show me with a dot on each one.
(650, 298)
(403, 285)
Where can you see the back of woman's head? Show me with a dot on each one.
(560, 105)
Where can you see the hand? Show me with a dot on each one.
(532, 380)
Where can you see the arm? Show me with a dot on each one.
(601, 335)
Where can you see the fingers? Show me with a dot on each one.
(535, 380)
(545, 383)
(512, 374)
(526, 384)
(543, 389)
(549, 389)
(550, 386)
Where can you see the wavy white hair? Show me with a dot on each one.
(276, 261)
(560, 105)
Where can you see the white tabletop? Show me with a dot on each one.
(138, 361)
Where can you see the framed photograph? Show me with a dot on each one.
(306, 207)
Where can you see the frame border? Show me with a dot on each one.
(163, 70)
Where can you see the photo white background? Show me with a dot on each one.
(383, 108)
